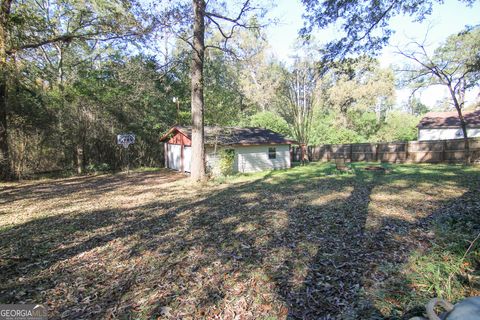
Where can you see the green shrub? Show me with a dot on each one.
(98, 167)
(227, 158)
(327, 130)
(270, 121)
(398, 126)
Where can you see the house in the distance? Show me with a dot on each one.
(446, 125)
(254, 149)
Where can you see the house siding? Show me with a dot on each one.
(251, 158)
(212, 160)
(446, 134)
(255, 158)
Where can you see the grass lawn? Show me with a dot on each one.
(304, 243)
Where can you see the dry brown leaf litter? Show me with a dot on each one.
(148, 245)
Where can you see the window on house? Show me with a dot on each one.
(272, 153)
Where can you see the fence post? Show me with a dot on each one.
(351, 152)
(406, 150)
(376, 151)
(444, 150)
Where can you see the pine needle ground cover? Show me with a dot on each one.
(304, 243)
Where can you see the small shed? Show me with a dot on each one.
(255, 149)
(446, 125)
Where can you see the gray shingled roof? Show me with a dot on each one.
(234, 135)
(445, 120)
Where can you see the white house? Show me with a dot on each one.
(446, 125)
(254, 149)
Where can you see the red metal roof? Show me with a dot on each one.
(433, 120)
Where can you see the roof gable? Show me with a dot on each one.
(439, 120)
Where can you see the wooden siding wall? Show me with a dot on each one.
(414, 151)
(180, 138)
(251, 158)
(255, 158)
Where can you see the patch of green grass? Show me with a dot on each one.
(449, 269)
(312, 170)
(436, 274)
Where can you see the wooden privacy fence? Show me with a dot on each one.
(413, 151)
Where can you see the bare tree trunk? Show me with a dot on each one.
(463, 124)
(5, 169)
(198, 149)
(79, 158)
(458, 106)
(80, 143)
(5, 161)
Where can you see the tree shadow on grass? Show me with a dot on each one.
(94, 185)
(252, 249)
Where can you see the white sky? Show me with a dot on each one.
(446, 19)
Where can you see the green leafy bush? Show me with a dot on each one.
(98, 167)
(364, 124)
(398, 126)
(227, 158)
(326, 130)
(270, 121)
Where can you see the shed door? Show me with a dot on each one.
(187, 158)
(174, 156)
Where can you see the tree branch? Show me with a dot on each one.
(66, 38)
(245, 8)
(376, 22)
(224, 49)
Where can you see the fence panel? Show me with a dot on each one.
(413, 151)
(363, 152)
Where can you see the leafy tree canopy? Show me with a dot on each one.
(364, 23)
(272, 121)
(399, 126)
